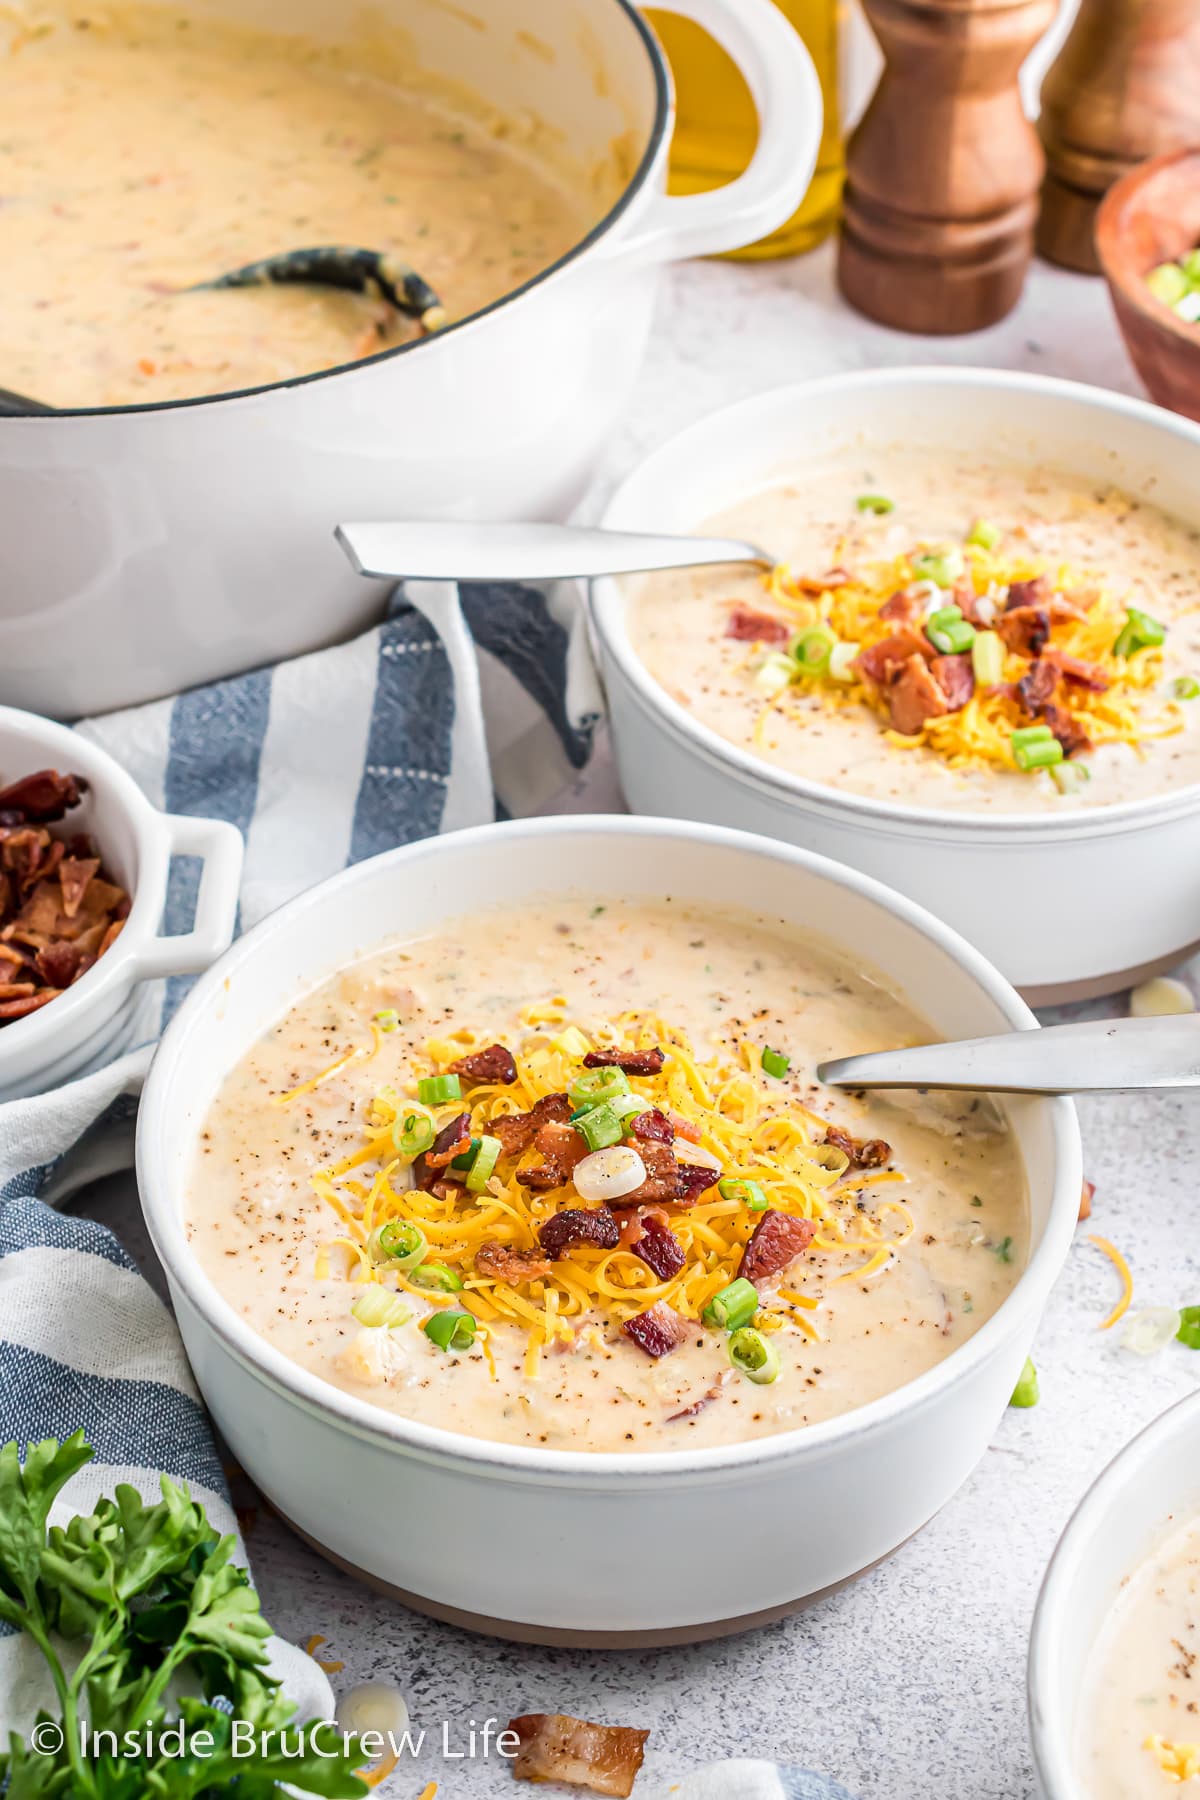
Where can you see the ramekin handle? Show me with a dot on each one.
(780, 75)
(219, 846)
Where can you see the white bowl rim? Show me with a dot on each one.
(73, 753)
(623, 512)
(1051, 1752)
(164, 1222)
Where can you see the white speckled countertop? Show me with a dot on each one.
(911, 1683)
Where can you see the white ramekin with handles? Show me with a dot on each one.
(478, 1517)
(1153, 1483)
(1024, 887)
(201, 531)
(96, 1017)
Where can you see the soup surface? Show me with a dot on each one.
(142, 152)
(985, 637)
(870, 1240)
(1140, 1732)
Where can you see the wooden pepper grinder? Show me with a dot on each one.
(1125, 86)
(944, 169)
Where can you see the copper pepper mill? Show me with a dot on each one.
(1125, 86)
(944, 169)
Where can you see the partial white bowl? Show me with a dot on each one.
(96, 1018)
(1155, 1479)
(337, 1466)
(201, 531)
(976, 870)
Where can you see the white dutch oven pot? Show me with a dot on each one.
(478, 1520)
(169, 545)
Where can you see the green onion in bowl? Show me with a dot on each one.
(753, 1355)
(733, 1307)
(434, 1090)
(412, 1132)
(399, 1243)
(812, 649)
(875, 503)
(378, 1306)
(452, 1329)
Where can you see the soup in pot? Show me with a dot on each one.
(563, 1176)
(143, 151)
(1140, 1723)
(984, 637)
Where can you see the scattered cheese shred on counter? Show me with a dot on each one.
(723, 1113)
(1122, 1268)
(310, 1649)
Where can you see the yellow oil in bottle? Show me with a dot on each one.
(716, 127)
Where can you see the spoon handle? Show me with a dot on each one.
(442, 550)
(1092, 1057)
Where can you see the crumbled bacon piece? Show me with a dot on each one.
(914, 697)
(493, 1064)
(579, 1225)
(1079, 673)
(44, 797)
(662, 1176)
(776, 1240)
(697, 1406)
(820, 584)
(503, 1262)
(903, 609)
(749, 626)
(74, 874)
(451, 1141)
(659, 1330)
(891, 653)
(653, 1125)
(630, 1062)
(685, 1128)
(1026, 629)
(869, 1153)
(694, 1179)
(1039, 685)
(557, 1747)
(517, 1131)
(1087, 1194)
(1028, 593)
(955, 676)
(660, 1249)
(1071, 736)
(562, 1147)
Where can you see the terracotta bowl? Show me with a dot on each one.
(1152, 215)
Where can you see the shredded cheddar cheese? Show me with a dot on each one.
(980, 733)
(754, 1134)
(1122, 1268)
(1178, 1762)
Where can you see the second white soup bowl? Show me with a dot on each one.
(1024, 887)
(458, 1525)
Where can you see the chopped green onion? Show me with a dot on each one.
(1186, 687)
(436, 1276)
(432, 1090)
(774, 673)
(595, 1086)
(943, 567)
(1140, 632)
(412, 1132)
(625, 1106)
(1041, 755)
(776, 1063)
(388, 1019)
(875, 503)
(733, 1307)
(486, 1158)
(1026, 1392)
(984, 535)
(1031, 734)
(1189, 1327)
(399, 1243)
(571, 1041)
(987, 658)
(599, 1127)
(1004, 1249)
(842, 659)
(813, 648)
(466, 1157)
(1168, 283)
(1069, 777)
(750, 1352)
(949, 632)
(1190, 264)
(379, 1306)
(451, 1329)
(746, 1193)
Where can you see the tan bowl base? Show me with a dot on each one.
(1100, 986)
(518, 1632)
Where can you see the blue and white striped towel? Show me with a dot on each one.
(459, 706)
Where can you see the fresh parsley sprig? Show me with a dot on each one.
(144, 1621)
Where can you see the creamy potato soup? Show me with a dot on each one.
(143, 151)
(1140, 1723)
(563, 1177)
(983, 637)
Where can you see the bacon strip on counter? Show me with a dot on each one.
(776, 1240)
(557, 1747)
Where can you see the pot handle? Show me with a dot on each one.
(780, 75)
(220, 848)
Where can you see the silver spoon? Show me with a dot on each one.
(1095, 1056)
(441, 550)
